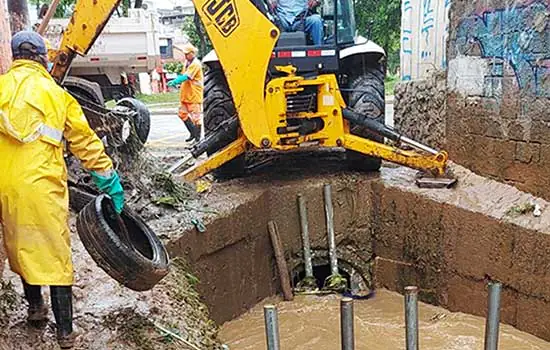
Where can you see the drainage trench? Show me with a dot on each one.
(388, 235)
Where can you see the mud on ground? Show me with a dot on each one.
(108, 315)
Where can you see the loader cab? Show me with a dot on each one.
(297, 49)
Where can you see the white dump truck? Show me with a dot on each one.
(127, 45)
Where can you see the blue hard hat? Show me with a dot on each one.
(27, 41)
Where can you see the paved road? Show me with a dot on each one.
(168, 131)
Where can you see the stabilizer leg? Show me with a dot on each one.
(434, 164)
(219, 158)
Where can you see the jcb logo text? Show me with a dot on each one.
(223, 13)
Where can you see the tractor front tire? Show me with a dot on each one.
(218, 107)
(367, 97)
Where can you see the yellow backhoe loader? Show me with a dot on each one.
(286, 94)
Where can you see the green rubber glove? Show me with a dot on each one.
(180, 79)
(111, 185)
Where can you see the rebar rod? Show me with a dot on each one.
(346, 324)
(305, 236)
(411, 317)
(493, 316)
(329, 212)
(271, 327)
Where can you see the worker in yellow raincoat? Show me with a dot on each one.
(36, 115)
(191, 92)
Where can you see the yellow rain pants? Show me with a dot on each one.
(35, 115)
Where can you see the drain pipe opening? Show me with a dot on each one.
(320, 273)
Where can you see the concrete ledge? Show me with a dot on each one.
(448, 242)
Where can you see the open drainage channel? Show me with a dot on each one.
(386, 237)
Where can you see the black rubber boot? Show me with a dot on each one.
(62, 306)
(191, 128)
(38, 311)
(197, 132)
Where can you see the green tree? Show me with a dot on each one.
(383, 19)
(63, 9)
(194, 29)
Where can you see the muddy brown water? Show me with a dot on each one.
(311, 322)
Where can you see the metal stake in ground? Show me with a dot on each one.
(305, 236)
(493, 316)
(271, 327)
(346, 324)
(411, 317)
(329, 212)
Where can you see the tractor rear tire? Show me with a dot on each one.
(218, 107)
(368, 99)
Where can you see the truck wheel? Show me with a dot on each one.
(368, 99)
(142, 119)
(219, 106)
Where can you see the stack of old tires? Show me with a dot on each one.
(122, 245)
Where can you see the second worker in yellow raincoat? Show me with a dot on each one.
(35, 116)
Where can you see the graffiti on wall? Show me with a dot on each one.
(516, 37)
(428, 24)
(424, 33)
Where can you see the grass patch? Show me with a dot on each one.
(337, 283)
(173, 193)
(169, 97)
(307, 284)
(390, 82)
(521, 209)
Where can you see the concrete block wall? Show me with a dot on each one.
(451, 253)
(498, 90)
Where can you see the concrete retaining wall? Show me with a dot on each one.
(499, 90)
(436, 239)
(234, 257)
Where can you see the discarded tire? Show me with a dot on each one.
(137, 260)
(78, 199)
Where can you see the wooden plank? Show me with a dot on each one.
(280, 260)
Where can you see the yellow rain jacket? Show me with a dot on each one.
(35, 115)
